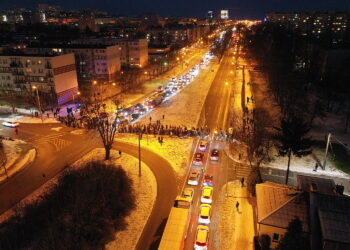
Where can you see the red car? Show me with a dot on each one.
(198, 159)
(208, 180)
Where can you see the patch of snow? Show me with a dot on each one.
(79, 131)
(306, 164)
(235, 230)
(15, 161)
(185, 107)
(57, 129)
(175, 150)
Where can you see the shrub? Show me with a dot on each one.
(82, 211)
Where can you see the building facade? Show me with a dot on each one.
(93, 62)
(55, 77)
(315, 24)
(133, 52)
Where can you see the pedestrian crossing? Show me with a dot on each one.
(53, 139)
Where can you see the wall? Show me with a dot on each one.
(269, 230)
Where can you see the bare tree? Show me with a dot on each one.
(105, 124)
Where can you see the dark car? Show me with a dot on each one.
(135, 116)
(198, 159)
(214, 156)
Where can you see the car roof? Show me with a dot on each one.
(188, 190)
(202, 233)
(205, 209)
(207, 190)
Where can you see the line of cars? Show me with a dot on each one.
(131, 113)
(206, 198)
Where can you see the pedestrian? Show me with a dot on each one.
(237, 206)
(242, 181)
(120, 153)
(239, 156)
(316, 167)
(48, 115)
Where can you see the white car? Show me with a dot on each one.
(188, 193)
(202, 146)
(204, 214)
(193, 179)
(10, 124)
(207, 195)
(202, 238)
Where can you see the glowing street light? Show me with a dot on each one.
(39, 104)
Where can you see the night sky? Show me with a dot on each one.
(197, 8)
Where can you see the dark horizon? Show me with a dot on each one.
(253, 9)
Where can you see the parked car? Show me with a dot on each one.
(202, 145)
(214, 156)
(198, 159)
(207, 195)
(208, 180)
(202, 238)
(188, 193)
(193, 178)
(204, 214)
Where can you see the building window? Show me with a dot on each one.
(276, 237)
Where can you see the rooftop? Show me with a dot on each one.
(71, 46)
(315, 184)
(279, 204)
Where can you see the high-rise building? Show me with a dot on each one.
(210, 16)
(224, 14)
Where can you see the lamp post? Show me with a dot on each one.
(39, 104)
(78, 93)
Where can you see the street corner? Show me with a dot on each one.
(15, 155)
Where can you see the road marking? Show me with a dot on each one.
(60, 143)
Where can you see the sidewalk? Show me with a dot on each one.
(235, 229)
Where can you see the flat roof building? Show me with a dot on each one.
(55, 77)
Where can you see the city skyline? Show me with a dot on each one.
(237, 10)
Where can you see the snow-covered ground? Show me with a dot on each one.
(306, 164)
(145, 189)
(235, 229)
(175, 150)
(16, 161)
(184, 108)
(331, 123)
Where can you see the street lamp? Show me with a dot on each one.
(39, 104)
(78, 93)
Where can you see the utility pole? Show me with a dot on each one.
(39, 104)
(140, 154)
(326, 153)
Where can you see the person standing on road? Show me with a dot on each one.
(242, 181)
(237, 206)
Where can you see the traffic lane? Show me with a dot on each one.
(166, 193)
(47, 164)
(192, 229)
(218, 91)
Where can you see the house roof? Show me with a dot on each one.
(315, 184)
(335, 225)
(279, 204)
(329, 219)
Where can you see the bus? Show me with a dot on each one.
(175, 231)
